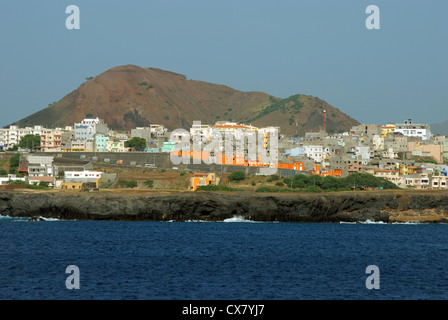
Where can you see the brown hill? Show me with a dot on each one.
(130, 96)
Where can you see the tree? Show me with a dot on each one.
(330, 183)
(29, 141)
(14, 162)
(137, 143)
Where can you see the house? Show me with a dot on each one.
(40, 166)
(38, 180)
(51, 140)
(390, 175)
(388, 128)
(416, 181)
(86, 129)
(315, 152)
(11, 136)
(116, 146)
(11, 177)
(411, 129)
(439, 182)
(101, 142)
(203, 179)
(354, 166)
(432, 150)
(74, 178)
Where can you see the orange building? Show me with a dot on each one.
(203, 179)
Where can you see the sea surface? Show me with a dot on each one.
(236, 259)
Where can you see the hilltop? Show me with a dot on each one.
(130, 96)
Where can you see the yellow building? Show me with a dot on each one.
(388, 128)
(71, 185)
(405, 170)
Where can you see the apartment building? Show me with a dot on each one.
(411, 129)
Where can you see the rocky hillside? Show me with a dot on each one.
(129, 96)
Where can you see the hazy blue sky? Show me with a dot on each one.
(316, 47)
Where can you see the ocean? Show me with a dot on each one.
(231, 260)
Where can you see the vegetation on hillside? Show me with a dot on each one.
(14, 163)
(354, 181)
(291, 104)
(237, 176)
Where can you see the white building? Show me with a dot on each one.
(315, 152)
(158, 130)
(439, 182)
(11, 177)
(204, 131)
(11, 136)
(82, 176)
(410, 129)
(40, 166)
(87, 129)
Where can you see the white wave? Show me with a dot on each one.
(408, 222)
(49, 219)
(237, 219)
(2, 217)
(368, 221)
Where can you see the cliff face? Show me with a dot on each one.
(182, 206)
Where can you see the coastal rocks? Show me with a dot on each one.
(213, 206)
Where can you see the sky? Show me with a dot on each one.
(284, 47)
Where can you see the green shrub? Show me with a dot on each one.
(313, 189)
(3, 173)
(237, 176)
(253, 183)
(317, 184)
(149, 183)
(216, 188)
(127, 184)
(279, 184)
(38, 186)
(16, 182)
(274, 189)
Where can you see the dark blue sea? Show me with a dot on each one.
(222, 260)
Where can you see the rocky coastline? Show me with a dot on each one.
(384, 206)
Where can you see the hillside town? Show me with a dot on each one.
(406, 154)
